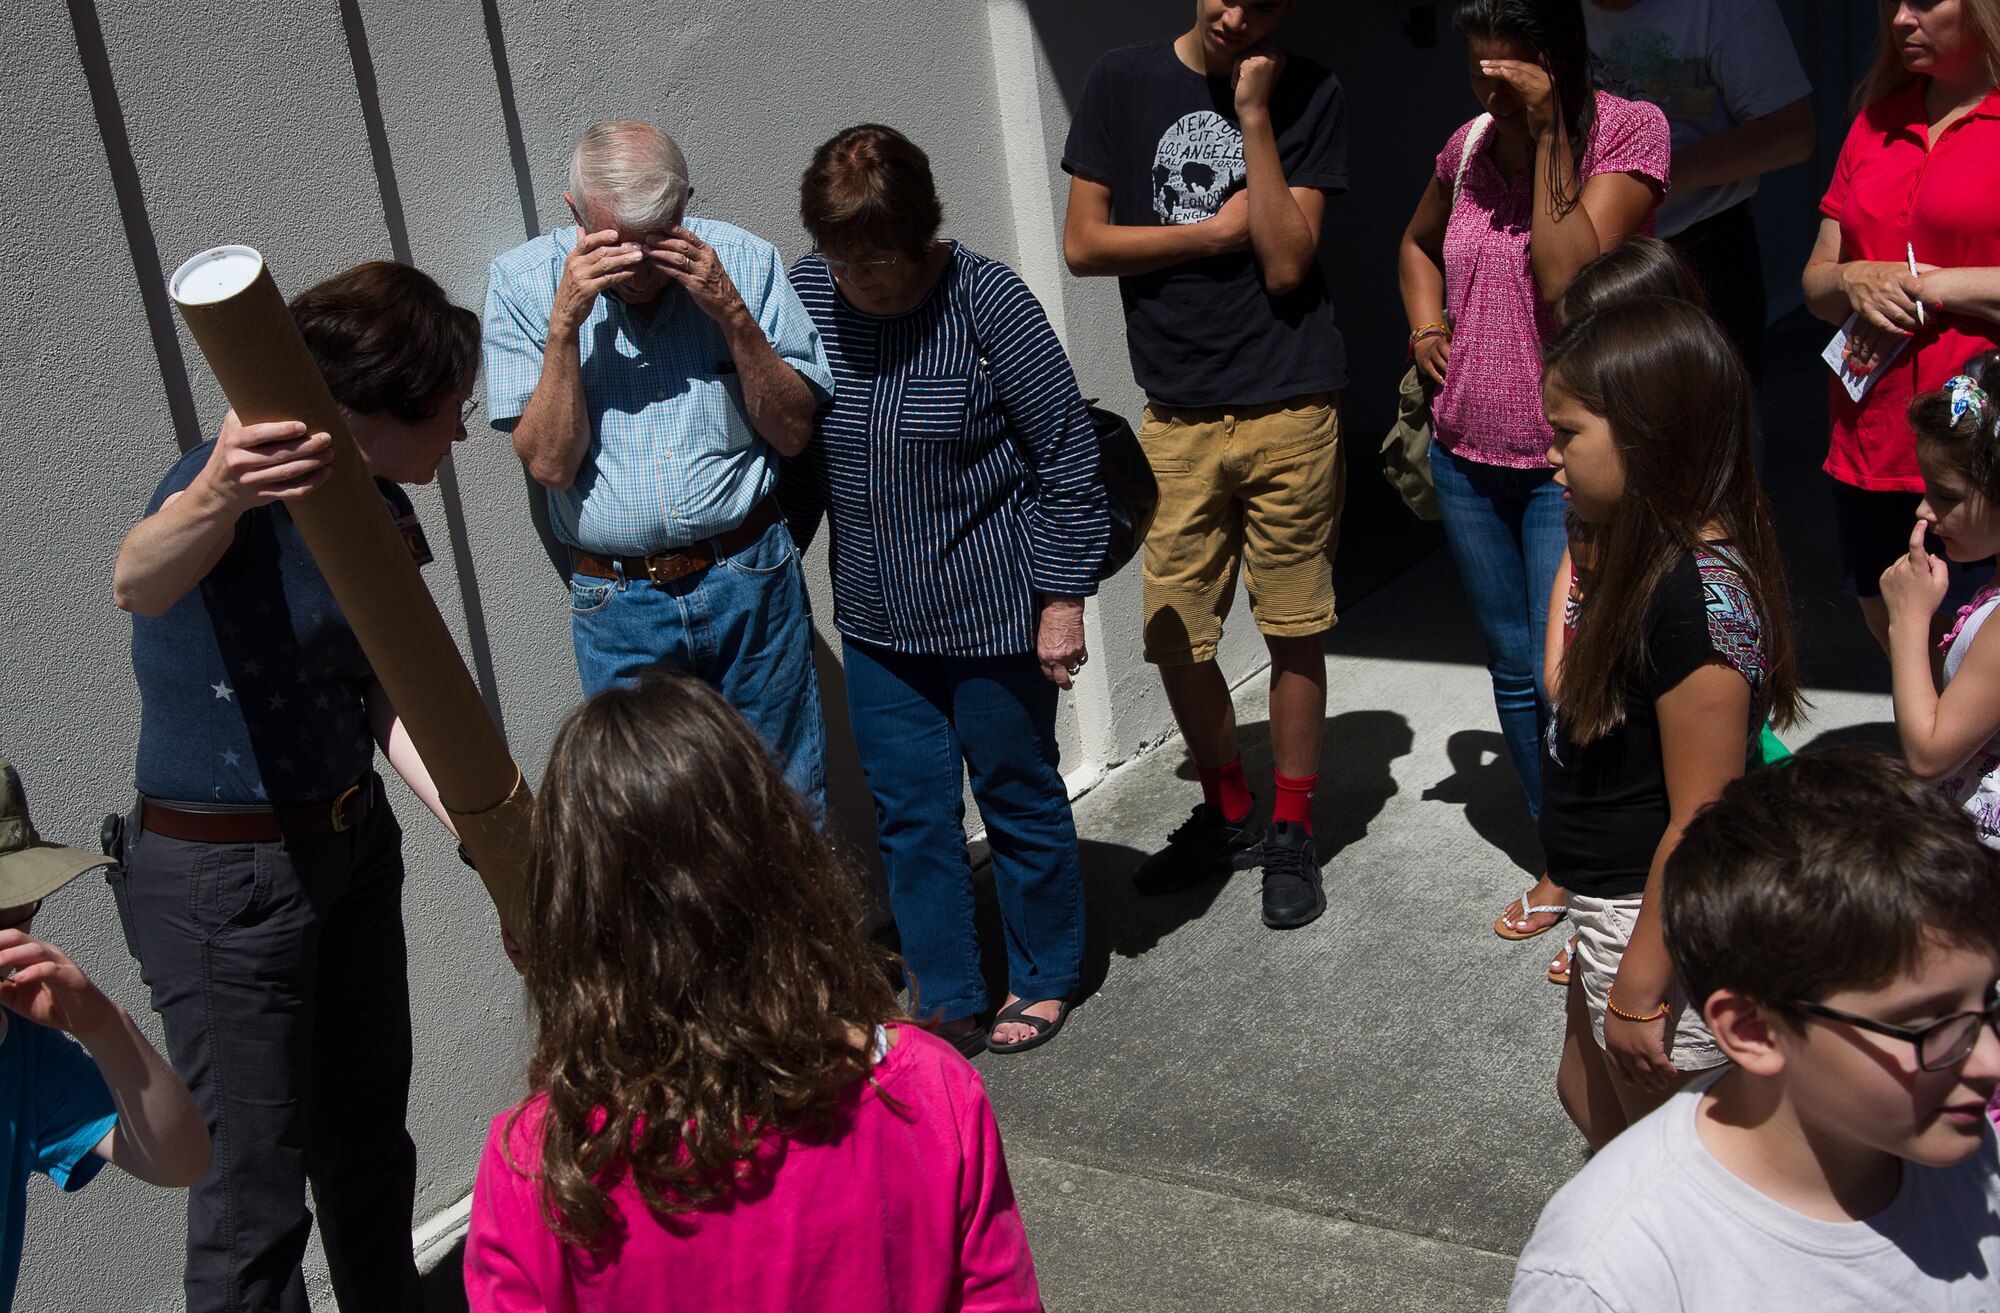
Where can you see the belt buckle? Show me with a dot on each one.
(340, 821)
(678, 563)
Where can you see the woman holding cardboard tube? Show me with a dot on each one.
(262, 882)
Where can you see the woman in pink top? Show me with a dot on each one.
(727, 1111)
(1554, 174)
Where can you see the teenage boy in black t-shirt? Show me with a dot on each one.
(1199, 175)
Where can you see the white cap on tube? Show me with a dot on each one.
(215, 275)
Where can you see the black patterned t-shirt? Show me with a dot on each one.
(1604, 804)
(1165, 140)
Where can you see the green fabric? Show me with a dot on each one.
(1770, 749)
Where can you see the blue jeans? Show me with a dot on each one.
(1506, 532)
(916, 718)
(743, 624)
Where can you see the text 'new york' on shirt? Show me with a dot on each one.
(1165, 139)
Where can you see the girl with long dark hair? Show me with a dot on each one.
(1682, 648)
(724, 1095)
(1551, 176)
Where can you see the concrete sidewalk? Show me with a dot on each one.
(1357, 1115)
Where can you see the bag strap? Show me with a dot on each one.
(1472, 140)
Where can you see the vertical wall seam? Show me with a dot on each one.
(531, 225)
(1017, 80)
(368, 92)
(138, 224)
(510, 118)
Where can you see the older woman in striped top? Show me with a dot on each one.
(967, 524)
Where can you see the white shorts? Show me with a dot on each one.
(1603, 927)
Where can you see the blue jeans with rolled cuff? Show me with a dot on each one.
(920, 720)
(744, 625)
(1505, 528)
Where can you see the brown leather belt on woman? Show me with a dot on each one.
(680, 562)
(343, 813)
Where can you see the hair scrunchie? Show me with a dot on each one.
(1965, 394)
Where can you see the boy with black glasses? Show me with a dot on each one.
(1840, 922)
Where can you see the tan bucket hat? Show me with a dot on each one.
(31, 869)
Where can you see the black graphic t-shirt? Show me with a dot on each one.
(1164, 138)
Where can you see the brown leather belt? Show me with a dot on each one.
(680, 562)
(343, 813)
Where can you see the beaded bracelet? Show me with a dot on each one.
(1429, 330)
(1617, 1011)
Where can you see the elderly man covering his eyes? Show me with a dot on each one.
(655, 417)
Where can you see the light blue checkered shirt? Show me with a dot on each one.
(672, 456)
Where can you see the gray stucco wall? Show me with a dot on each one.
(326, 132)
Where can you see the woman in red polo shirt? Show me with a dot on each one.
(1918, 179)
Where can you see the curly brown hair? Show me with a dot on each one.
(697, 973)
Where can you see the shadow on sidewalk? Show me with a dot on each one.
(444, 1285)
(1484, 782)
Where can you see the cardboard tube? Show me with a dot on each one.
(232, 306)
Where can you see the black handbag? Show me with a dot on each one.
(1131, 494)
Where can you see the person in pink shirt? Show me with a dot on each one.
(1554, 174)
(727, 1109)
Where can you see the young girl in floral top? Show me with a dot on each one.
(1682, 646)
(1954, 736)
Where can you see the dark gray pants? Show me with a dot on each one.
(280, 972)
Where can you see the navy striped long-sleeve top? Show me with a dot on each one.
(960, 466)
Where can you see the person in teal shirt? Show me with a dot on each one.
(70, 1105)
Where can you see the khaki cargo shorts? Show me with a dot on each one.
(1259, 484)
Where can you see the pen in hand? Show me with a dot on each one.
(1910, 250)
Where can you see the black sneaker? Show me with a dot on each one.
(1205, 845)
(1293, 894)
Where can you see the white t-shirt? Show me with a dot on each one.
(1710, 64)
(1654, 1222)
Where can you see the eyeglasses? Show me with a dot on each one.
(26, 913)
(849, 266)
(467, 411)
(1944, 1043)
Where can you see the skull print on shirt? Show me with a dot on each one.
(1198, 164)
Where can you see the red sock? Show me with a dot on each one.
(1295, 800)
(1225, 789)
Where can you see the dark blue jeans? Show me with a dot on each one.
(916, 719)
(280, 974)
(1505, 527)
